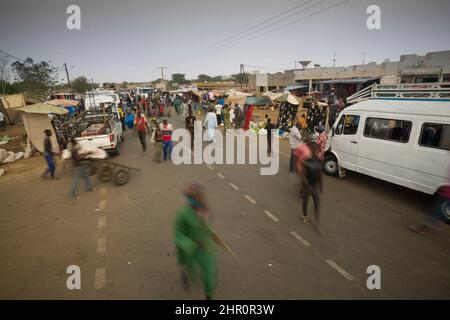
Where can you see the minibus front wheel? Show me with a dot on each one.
(331, 166)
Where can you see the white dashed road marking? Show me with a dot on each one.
(234, 186)
(271, 216)
(100, 278)
(299, 238)
(221, 176)
(340, 270)
(101, 245)
(210, 168)
(102, 205)
(284, 154)
(250, 199)
(101, 222)
(103, 191)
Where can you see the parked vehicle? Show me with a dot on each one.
(103, 130)
(403, 139)
(145, 92)
(101, 121)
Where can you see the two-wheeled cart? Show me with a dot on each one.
(107, 170)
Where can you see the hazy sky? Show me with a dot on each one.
(127, 40)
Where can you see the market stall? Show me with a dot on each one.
(37, 118)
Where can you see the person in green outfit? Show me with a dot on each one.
(177, 104)
(226, 116)
(194, 240)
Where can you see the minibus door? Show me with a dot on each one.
(345, 140)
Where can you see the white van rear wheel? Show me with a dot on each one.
(445, 211)
(331, 166)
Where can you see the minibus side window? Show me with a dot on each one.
(351, 124)
(388, 129)
(340, 125)
(435, 135)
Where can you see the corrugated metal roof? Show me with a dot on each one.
(295, 87)
(343, 81)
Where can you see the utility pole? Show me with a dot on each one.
(242, 73)
(334, 65)
(67, 74)
(364, 58)
(162, 72)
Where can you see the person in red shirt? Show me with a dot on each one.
(142, 128)
(248, 116)
(166, 132)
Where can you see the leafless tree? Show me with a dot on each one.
(4, 70)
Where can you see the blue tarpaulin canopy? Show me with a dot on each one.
(258, 100)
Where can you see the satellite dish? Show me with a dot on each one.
(304, 63)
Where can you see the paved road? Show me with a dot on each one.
(121, 237)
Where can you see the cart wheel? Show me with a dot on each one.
(121, 177)
(92, 169)
(106, 174)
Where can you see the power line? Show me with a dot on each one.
(270, 31)
(253, 27)
(5, 53)
(277, 22)
(280, 27)
(219, 43)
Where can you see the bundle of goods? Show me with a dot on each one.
(94, 129)
(86, 147)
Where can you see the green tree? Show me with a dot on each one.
(124, 85)
(81, 84)
(179, 78)
(203, 78)
(36, 79)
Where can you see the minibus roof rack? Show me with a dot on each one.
(415, 91)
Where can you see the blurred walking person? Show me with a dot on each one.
(210, 124)
(190, 122)
(166, 133)
(80, 167)
(157, 140)
(269, 127)
(309, 168)
(194, 241)
(142, 128)
(49, 155)
(321, 141)
(218, 108)
(295, 139)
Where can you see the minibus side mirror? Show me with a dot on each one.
(332, 132)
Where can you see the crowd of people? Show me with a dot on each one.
(193, 236)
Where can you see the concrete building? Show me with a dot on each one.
(411, 68)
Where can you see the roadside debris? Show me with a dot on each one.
(9, 156)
